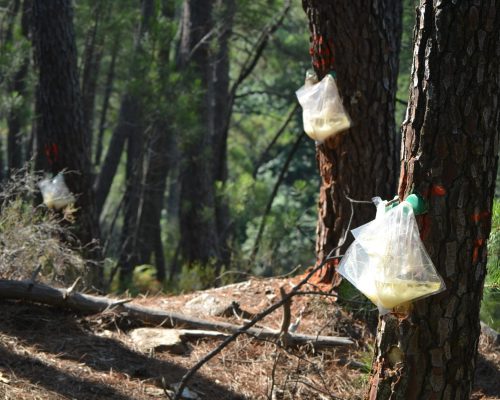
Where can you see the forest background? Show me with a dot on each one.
(145, 90)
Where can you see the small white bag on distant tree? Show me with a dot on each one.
(55, 192)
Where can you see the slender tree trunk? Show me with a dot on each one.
(159, 150)
(16, 116)
(220, 105)
(135, 176)
(129, 119)
(198, 225)
(108, 89)
(153, 198)
(360, 41)
(62, 140)
(92, 54)
(450, 157)
(270, 202)
(7, 26)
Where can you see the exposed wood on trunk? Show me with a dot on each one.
(27, 290)
(360, 41)
(449, 156)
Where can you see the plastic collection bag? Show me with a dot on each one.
(388, 262)
(55, 193)
(323, 112)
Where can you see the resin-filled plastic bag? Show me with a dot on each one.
(55, 193)
(323, 112)
(388, 262)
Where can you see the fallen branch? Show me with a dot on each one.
(248, 326)
(27, 290)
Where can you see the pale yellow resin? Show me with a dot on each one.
(389, 294)
(324, 126)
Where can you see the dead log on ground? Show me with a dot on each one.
(67, 298)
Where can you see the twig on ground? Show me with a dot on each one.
(35, 273)
(70, 290)
(187, 376)
(273, 376)
(287, 318)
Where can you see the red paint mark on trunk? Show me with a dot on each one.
(478, 243)
(434, 190)
(438, 190)
(479, 216)
(51, 152)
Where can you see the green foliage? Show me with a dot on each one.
(493, 276)
(405, 59)
(490, 306)
(171, 98)
(490, 309)
(196, 277)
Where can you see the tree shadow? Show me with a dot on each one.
(55, 379)
(59, 333)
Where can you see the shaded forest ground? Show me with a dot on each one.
(49, 353)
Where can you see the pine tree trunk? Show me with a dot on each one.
(129, 119)
(62, 140)
(135, 178)
(92, 54)
(108, 89)
(359, 40)
(450, 156)
(15, 119)
(159, 150)
(220, 65)
(198, 226)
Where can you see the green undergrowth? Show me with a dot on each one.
(34, 238)
(490, 307)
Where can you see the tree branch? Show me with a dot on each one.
(280, 131)
(68, 298)
(278, 183)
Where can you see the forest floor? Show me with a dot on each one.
(52, 354)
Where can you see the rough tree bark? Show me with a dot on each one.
(449, 155)
(360, 41)
(61, 137)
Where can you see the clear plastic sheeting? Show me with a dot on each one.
(55, 193)
(388, 262)
(323, 112)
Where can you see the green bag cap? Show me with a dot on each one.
(418, 204)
